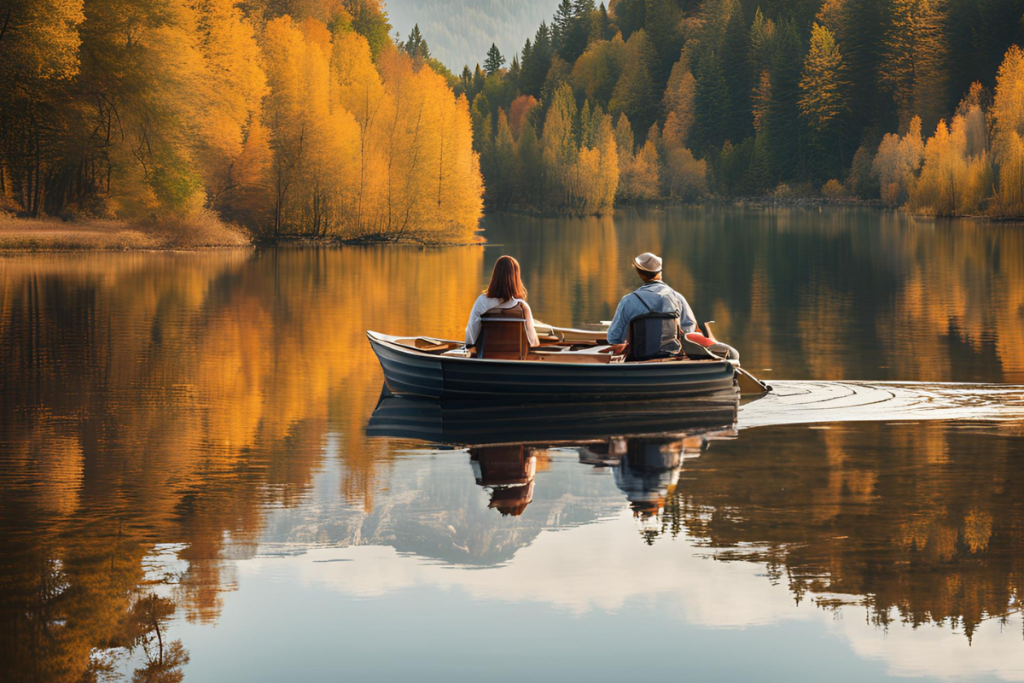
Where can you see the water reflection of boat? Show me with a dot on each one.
(508, 471)
(570, 369)
(647, 469)
(644, 444)
(482, 423)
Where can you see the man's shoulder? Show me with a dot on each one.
(670, 289)
(627, 297)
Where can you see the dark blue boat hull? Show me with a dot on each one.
(412, 373)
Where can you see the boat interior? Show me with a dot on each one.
(505, 338)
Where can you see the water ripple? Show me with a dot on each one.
(810, 402)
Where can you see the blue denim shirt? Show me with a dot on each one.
(661, 298)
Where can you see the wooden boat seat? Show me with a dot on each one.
(503, 334)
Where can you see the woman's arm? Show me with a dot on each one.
(473, 326)
(531, 334)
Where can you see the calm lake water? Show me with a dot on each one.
(191, 485)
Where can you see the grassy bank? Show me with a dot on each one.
(201, 230)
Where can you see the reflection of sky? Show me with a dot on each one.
(583, 600)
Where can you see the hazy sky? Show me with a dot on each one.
(459, 32)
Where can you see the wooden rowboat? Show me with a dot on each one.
(576, 368)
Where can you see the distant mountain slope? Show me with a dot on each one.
(459, 32)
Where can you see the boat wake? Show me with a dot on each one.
(815, 402)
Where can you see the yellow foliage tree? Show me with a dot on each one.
(313, 138)
(230, 106)
(678, 103)
(952, 182)
(598, 69)
(39, 45)
(1008, 141)
(638, 171)
(897, 162)
(581, 175)
(40, 38)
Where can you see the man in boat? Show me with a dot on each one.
(656, 303)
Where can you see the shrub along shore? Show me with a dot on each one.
(200, 231)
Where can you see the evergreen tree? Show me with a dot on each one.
(762, 43)
(711, 105)
(514, 70)
(978, 33)
(561, 25)
(736, 68)
(781, 126)
(823, 101)
(662, 25)
(631, 16)
(914, 57)
(604, 23)
(529, 160)
(823, 84)
(536, 62)
(416, 46)
(479, 79)
(494, 60)
(480, 114)
(501, 157)
(859, 30)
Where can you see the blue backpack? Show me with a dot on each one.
(653, 334)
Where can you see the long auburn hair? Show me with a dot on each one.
(506, 282)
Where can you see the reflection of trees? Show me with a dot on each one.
(168, 398)
(164, 661)
(923, 522)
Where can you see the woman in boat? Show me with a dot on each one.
(505, 291)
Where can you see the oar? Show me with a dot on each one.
(750, 384)
(747, 382)
(568, 333)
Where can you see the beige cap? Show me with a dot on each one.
(647, 262)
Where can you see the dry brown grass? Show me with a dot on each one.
(199, 230)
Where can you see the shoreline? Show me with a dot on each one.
(51, 235)
(42, 235)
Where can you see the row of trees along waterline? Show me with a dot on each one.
(288, 117)
(846, 98)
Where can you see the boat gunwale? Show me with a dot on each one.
(389, 341)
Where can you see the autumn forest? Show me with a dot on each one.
(916, 103)
(284, 117)
(312, 118)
